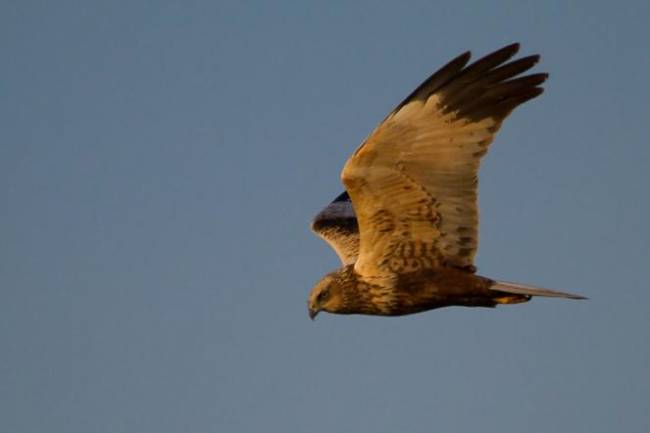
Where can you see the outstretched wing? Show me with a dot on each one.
(413, 181)
(337, 225)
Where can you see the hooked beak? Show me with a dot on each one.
(313, 312)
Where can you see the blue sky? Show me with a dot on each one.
(160, 164)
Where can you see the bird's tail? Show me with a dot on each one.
(528, 291)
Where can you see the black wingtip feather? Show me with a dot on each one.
(513, 68)
(490, 87)
(470, 90)
(438, 79)
(487, 63)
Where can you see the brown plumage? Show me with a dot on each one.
(406, 229)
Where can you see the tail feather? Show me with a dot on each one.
(523, 289)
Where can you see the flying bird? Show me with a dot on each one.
(406, 228)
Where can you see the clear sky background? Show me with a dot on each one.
(160, 163)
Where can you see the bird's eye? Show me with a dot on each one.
(323, 294)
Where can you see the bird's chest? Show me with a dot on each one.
(420, 291)
(418, 295)
(428, 290)
(396, 297)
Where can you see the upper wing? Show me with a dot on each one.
(413, 181)
(337, 225)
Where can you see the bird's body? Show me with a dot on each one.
(406, 229)
(412, 292)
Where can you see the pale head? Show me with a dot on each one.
(331, 293)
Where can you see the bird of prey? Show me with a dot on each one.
(406, 228)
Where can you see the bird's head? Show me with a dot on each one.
(329, 294)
